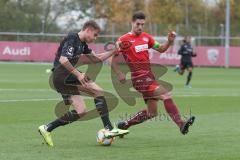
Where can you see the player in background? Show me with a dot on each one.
(73, 48)
(186, 52)
(143, 80)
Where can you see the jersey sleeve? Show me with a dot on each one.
(87, 50)
(120, 51)
(68, 48)
(180, 50)
(151, 41)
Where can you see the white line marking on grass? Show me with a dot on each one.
(28, 100)
(28, 63)
(234, 95)
(59, 99)
(26, 90)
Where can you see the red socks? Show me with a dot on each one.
(172, 110)
(140, 117)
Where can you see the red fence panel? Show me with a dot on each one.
(45, 52)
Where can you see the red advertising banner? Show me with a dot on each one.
(27, 51)
(45, 52)
(206, 56)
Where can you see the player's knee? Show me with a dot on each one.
(81, 111)
(152, 107)
(165, 96)
(98, 93)
(152, 112)
(190, 69)
(79, 107)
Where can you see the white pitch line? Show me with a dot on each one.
(26, 90)
(28, 63)
(28, 100)
(55, 99)
(234, 95)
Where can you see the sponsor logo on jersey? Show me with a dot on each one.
(141, 48)
(190, 50)
(145, 39)
(25, 51)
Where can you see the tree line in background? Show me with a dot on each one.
(193, 17)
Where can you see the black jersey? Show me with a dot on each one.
(186, 51)
(71, 47)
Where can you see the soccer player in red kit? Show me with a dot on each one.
(143, 80)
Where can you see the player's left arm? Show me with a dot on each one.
(162, 48)
(95, 58)
(194, 54)
(110, 51)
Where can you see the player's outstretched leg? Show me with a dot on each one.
(138, 118)
(67, 118)
(172, 110)
(189, 77)
(141, 116)
(102, 108)
(116, 132)
(46, 135)
(184, 128)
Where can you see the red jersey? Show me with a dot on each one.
(137, 56)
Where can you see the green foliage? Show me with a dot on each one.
(190, 17)
(22, 16)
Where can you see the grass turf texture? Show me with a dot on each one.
(26, 101)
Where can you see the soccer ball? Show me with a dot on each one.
(102, 140)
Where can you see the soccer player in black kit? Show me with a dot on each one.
(66, 76)
(186, 52)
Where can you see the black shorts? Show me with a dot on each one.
(184, 65)
(66, 83)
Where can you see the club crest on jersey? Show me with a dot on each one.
(145, 39)
(70, 50)
(140, 48)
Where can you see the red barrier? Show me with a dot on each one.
(27, 51)
(45, 52)
(206, 56)
(235, 56)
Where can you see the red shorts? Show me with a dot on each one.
(146, 85)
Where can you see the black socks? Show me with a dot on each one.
(189, 77)
(67, 118)
(72, 116)
(101, 106)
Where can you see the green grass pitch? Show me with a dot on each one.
(26, 101)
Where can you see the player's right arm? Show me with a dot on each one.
(66, 53)
(116, 69)
(80, 76)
